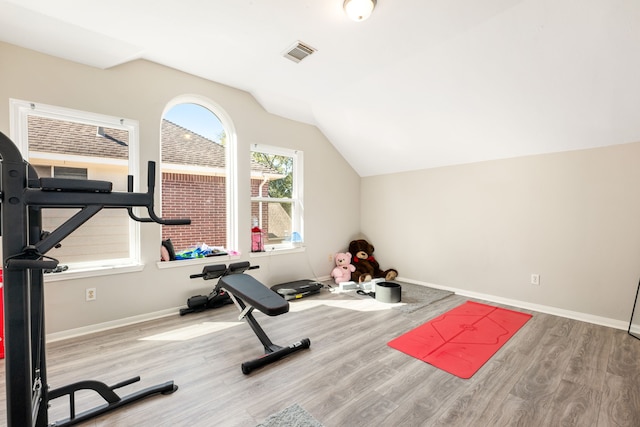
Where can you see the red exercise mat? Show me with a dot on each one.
(461, 340)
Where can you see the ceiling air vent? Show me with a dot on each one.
(298, 51)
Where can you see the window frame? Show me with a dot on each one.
(231, 181)
(19, 113)
(297, 195)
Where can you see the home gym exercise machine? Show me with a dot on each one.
(22, 197)
(249, 294)
(634, 328)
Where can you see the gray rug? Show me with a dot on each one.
(293, 416)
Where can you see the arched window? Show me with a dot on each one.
(197, 165)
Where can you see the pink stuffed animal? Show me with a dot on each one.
(344, 268)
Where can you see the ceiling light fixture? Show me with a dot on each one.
(359, 10)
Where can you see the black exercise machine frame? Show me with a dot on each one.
(22, 197)
(248, 294)
(633, 310)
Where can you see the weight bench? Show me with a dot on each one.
(249, 294)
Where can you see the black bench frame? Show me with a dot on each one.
(249, 294)
(23, 195)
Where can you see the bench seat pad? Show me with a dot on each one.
(255, 294)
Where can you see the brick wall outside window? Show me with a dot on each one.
(202, 199)
(199, 198)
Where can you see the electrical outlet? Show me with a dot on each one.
(535, 279)
(90, 294)
(330, 258)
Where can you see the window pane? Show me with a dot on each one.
(277, 171)
(83, 151)
(274, 221)
(91, 242)
(275, 196)
(194, 176)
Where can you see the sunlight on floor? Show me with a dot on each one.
(190, 332)
(365, 304)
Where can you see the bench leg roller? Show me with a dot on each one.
(248, 367)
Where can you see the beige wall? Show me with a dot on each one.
(482, 228)
(573, 218)
(140, 90)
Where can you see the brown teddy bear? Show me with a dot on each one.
(367, 267)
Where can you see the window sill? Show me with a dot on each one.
(196, 261)
(274, 251)
(85, 272)
(224, 259)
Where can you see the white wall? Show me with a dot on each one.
(140, 90)
(572, 217)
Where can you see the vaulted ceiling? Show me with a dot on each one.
(420, 84)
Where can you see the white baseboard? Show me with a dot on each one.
(575, 315)
(99, 327)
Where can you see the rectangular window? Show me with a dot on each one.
(276, 198)
(66, 143)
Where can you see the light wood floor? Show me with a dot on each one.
(553, 372)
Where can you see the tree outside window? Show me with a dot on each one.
(276, 197)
